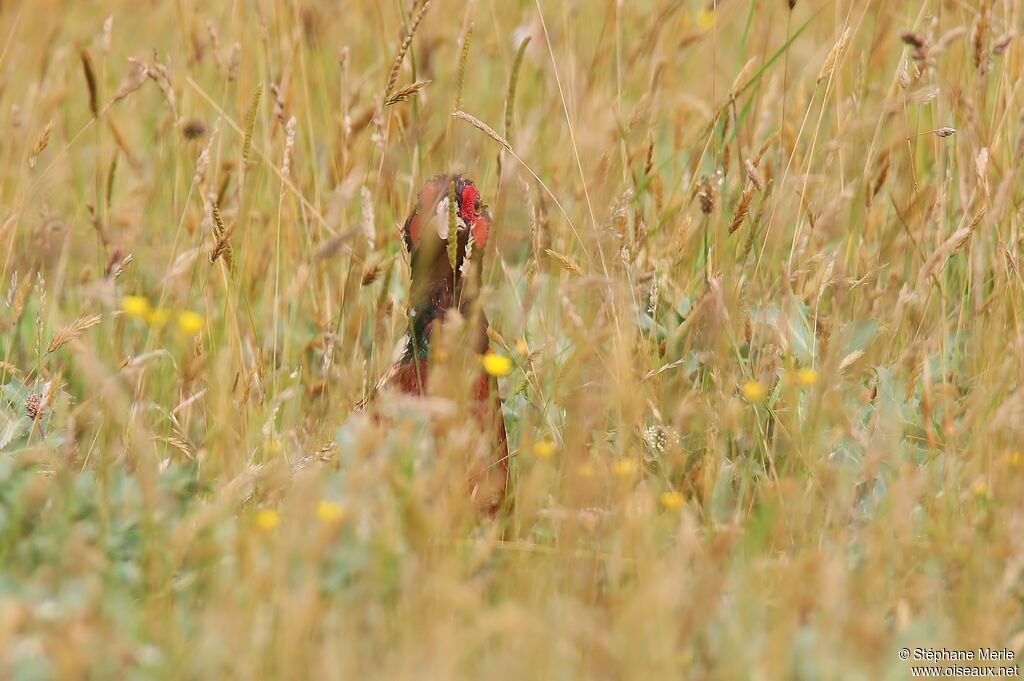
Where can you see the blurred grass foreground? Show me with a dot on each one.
(756, 310)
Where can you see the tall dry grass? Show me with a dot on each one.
(757, 267)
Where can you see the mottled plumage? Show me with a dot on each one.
(437, 288)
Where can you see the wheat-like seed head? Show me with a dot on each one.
(406, 93)
(396, 65)
(482, 127)
(250, 123)
(40, 144)
(567, 263)
(73, 331)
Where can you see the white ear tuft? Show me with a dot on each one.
(442, 218)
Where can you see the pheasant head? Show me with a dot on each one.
(445, 235)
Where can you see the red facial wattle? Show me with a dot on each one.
(480, 229)
(468, 204)
(469, 211)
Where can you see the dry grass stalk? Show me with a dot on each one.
(17, 296)
(947, 39)
(903, 74)
(159, 74)
(979, 36)
(366, 219)
(567, 263)
(111, 174)
(233, 62)
(203, 162)
(764, 148)
(371, 273)
(406, 93)
(487, 130)
(131, 83)
(162, 75)
(106, 34)
(40, 144)
(90, 81)
(743, 208)
(222, 247)
(1001, 43)
(214, 34)
(250, 124)
(850, 359)
(279, 104)
(950, 247)
(833, 56)
(460, 73)
(122, 265)
(332, 246)
(513, 82)
(179, 443)
(396, 65)
(73, 331)
(483, 127)
(754, 175)
(122, 144)
(742, 77)
(665, 367)
(880, 177)
(97, 223)
(289, 145)
(748, 245)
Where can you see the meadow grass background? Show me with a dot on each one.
(763, 308)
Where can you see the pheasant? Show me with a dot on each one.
(436, 288)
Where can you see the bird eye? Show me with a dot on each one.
(476, 206)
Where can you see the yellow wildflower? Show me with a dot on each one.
(267, 519)
(754, 391)
(158, 317)
(1015, 459)
(190, 322)
(330, 512)
(671, 500)
(706, 19)
(980, 488)
(624, 467)
(135, 306)
(807, 377)
(497, 365)
(543, 449)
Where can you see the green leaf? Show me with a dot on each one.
(14, 433)
(801, 334)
